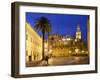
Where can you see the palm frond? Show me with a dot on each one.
(43, 24)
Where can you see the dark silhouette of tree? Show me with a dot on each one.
(43, 24)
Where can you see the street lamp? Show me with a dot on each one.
(70, 51)
(76, 50)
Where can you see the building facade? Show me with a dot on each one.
(33, 44)
(59, 45)
(64, 46)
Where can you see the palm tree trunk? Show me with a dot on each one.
(43, 34)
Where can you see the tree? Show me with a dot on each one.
(43, 24)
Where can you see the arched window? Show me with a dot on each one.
(31, 39)
(26, 37)
(26, 52)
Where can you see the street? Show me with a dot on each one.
(60, 61)
(68, 60)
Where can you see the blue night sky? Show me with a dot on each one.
(62, 23)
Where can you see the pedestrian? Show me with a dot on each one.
(46, 58)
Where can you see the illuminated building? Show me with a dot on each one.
(78, 33)
(60, 45)
(33, 44)
(45, 48)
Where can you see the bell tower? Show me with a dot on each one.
(78, 32)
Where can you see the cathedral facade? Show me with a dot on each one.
(65, 46)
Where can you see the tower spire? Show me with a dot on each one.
(78, 32)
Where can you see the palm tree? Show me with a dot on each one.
(43, 25)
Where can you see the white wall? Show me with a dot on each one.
(5, 40)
